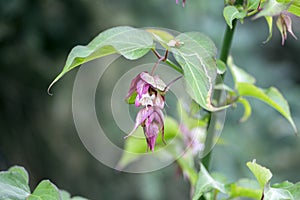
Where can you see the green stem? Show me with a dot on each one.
(174, 66)
(227, 40)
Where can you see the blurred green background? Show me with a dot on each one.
(37, 130)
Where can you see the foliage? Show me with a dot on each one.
(195, 57)
(246, 187)
(14, 186)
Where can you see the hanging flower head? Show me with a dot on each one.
(148, 92)
(183, 2)
(284, 25)
(193, 139)
(146, 87)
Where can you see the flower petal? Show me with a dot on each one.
(151, 133)
(133, 86)
(142, 115)
(159, 101)
(288, 22)
(284, 25)
(154, 81)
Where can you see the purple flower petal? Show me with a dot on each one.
(151, 131)
(284, 25)
(159, 101)
(142, 115)
(191, 138)
(183, 2)
(133, 86)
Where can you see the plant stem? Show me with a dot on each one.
(227, 40)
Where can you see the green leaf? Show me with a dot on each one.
(187, 166)
(294, 189)
(130, 42)
(245, 188)
(262, 174)
(196, 56)
(271, 96)
(239, 75)
(66, 196)
(45, 191)
(252, 4)
(270, 25)
(277, 194)
(244, 85)
(136, 145)
(231, 12)
(295, 8)
(187, 117)
(225, 87)
(221, 67)
(14, 184)
(206, 183)
(131, 99)
(285, 184)
(163, 37)
(194, 108)
(247, 109)
(78, 198)
(272, 8)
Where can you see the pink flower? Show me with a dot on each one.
(284, 25)
(183, 2)
(152, 126)
(149, 91)
(192, 138)
(151, 118)
(145, 86)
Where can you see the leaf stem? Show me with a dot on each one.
(174, 66)
(167, 61)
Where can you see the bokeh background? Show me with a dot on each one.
(37, 130)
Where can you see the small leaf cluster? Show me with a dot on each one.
(239, 10)
(215, 186)
(14, 186)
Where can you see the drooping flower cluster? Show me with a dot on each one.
(193, 139)
(148, 92)
(284, 25)
(183, 2)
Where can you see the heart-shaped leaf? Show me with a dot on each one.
(45, 191)
(231, 12)
(14, 184)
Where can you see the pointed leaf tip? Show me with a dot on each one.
(262, 174)
(49, 88)
(127, 41)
